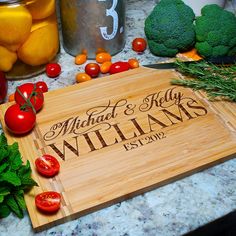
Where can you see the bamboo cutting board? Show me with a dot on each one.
(122, 135)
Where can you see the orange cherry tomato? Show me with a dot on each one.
(82, 77)
(102, 57)
(11, 97)
(80, 59)
(105, 67)
(133, 63)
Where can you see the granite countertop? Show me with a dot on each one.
(174, 209)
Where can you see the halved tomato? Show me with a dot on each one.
(47, 165)
(48, 202)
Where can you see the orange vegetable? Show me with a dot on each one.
(11, 97)
(80, 59)
(192, 54)
(82, 77)
(102, 57)
(105, 67)
(133, 63)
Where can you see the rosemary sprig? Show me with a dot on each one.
(216, 81)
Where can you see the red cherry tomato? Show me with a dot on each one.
(119, 67)
(19, 121)
(53, 70)
(30, 90)
(48, 202)
(3, 87)
(139, 44)
(42, 86)
(92, 69)
(47, 165)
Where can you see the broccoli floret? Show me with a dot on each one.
(215, 32)
(169, 28)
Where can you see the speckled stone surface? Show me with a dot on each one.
(174, 209)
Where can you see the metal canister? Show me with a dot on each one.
(93, 25)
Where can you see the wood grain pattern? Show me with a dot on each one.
(122, 135)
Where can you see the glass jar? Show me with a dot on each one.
(29, 36)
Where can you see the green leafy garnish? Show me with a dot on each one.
(15, 178)
(216, 81)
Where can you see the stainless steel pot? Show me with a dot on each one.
(93, 25)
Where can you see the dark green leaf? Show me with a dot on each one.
(11, 202)
(3, 154)
(28, 182)
(4, 191)
(1, 198)
(3, 167)
(25, 170)
(20, 201)
(4, 211)
(11, 178)
(3, 140)
(14, 147)
(15, 160)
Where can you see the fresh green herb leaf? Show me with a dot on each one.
(11, 202)
(15, 178)
(20, 201)
(3, 140)
(3, 167)
(4, 211)
(216, 81)
(11, 178)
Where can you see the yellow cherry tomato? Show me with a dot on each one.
(80, 59)
(102, 57)
(133, 63)
(82, 77)
(11, 97)
(105, 67)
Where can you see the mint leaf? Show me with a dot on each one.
(15, 178)
(4, 191)
(11, 178)
(28, 182)
(20, 201)
(14, 147)
(11, 202)
(3, 154)
(25, 170)
(1, 198)
(4, 211)
(3, 167)
(15, 160)
(3, 140)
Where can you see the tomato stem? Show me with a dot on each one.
(28, 103)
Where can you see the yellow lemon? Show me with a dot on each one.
(15, 24)
(7, 59)
(41, 46)
(12, 47)
(41, 23)
(40, 9)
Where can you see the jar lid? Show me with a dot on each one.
(9, 1)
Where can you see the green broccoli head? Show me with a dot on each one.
(215, 32)
(169, 28)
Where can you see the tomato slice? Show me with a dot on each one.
(47, 165)
(48, 202)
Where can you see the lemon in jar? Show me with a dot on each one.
(40, 9)
(7, 59)
(15, 25)
(41, 46)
